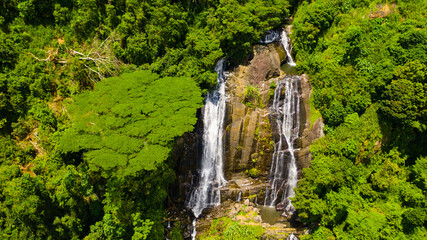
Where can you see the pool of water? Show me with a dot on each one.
(289, 69)
(269, 214)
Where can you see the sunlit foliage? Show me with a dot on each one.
(127, 123)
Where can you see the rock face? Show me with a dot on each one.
(383, 10)
(309, 133)
(248, 137)
(186, 156)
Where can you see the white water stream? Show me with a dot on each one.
(288, 47)
(270, 36)
(283, 176)
(283, 172)
(208, 193)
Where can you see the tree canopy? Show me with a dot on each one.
(127, 123)
(367, 66)
(94, 92)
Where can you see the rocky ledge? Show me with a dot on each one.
(244, 214)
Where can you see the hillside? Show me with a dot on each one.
(102, 118)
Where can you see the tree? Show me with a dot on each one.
(354, 190)
(127, 124)
(405, 99)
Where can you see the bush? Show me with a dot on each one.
(252, 97)
(254, 173)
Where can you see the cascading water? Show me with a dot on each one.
(279, 35)
(288, 47)
(239, 196)
(283, 172)
(292, 237)
(207, 193)
(270, 36)
(194, 233)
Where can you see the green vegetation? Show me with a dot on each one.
(271, 90)
(252, 97)
(108, 168)
(127, 123)
(93, 94)
(254, 172)
(226, 228)
(176, 233)
(368, 73)
(314, 113)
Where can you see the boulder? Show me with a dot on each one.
(249, 209)
(257, 219)
(265, 64)
(383, 10)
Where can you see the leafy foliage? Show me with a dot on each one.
(367, 65)
(127, 123)
(98, 167)
(252, 97)
(355, 189)
(226, 228)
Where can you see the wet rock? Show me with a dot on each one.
(281, 52)
(305, 102)
(284, 214)
(257, 219)
(238, 109)
(282, 205)
(248, 132)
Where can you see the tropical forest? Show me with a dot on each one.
(213, 119)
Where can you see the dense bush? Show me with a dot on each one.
(369, 80)
(98, 168)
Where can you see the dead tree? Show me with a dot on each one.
(100, 60)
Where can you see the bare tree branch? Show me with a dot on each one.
(100, 59)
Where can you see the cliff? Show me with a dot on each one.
(249, 138)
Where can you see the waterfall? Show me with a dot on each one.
(270, 36)
(283, 172)
(239, 197)
(194, 232)
(279, 35)
(207, 193)
(288, 47)
(292, 237)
